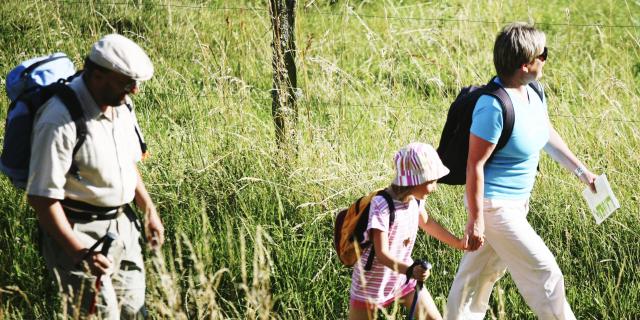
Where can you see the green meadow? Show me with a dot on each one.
(249, 228)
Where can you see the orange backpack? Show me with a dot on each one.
(350, 227)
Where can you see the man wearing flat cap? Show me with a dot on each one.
(77, 208)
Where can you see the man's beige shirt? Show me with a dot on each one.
(106, 160)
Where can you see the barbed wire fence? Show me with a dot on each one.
(341, 102)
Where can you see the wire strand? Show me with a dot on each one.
(342, 104)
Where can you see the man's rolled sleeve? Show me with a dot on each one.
(51, 152)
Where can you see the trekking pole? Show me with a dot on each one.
(108, 239)
(427, 266)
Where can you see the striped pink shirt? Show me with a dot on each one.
(381, 285)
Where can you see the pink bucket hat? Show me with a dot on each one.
(416, 164)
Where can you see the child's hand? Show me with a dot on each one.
(421, 274)
(459, 244)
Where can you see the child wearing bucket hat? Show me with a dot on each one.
(393, 275)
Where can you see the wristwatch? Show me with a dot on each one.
(579, 171)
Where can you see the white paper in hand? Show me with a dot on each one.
(602, 203)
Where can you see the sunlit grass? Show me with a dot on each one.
(249, 232)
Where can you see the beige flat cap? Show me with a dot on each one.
(117, 53)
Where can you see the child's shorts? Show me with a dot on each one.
(403, 292)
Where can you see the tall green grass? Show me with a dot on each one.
(249, 231)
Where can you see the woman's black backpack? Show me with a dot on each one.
(453, 148)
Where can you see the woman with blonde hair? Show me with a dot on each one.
(498, 186)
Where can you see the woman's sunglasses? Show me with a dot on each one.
(543, 56)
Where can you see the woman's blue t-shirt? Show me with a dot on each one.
(511, 172)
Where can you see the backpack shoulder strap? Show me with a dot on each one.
(70, 100)
(392, 208)
(537, 87)
(143, 145)
(508, 115)
(392, 215)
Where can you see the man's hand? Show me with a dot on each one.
(152, 224)
(97, 263)
(474, 234)
(154, 228)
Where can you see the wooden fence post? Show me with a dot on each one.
(283, 94)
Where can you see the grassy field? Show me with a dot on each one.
(249, 233)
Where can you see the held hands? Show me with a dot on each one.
(473, 234)
(461, 244)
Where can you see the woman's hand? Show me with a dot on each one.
(474, 234)
(589, 179)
